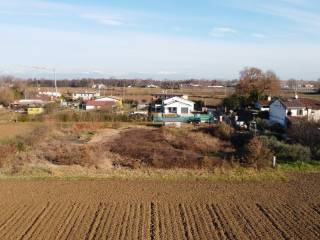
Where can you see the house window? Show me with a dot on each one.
(184, 110)
(172, 109)
(300, 112)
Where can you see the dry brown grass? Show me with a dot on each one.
(11, 130)
(166, 148)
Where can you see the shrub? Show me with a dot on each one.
(224, 131)
(287, 152)
(307, 134)
(97, 116)
(257, 154)
(262, 124)
(277, 128)
(6, 96)
(233, 102)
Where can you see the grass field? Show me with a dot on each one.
(139, 209)
(11, 129)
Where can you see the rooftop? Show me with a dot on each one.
(301, 103)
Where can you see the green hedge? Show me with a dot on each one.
(287, 152)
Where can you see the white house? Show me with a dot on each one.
(282, 110)
(50, 94)
(99, 86)
(103, 102)
(85, 95)
(108, 99)
(177, 105)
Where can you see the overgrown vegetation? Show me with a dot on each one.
(97, 116)
(166, 148)
(287, 152)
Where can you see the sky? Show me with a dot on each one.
(181, 39)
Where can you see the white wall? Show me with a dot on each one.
(294, 112)
(179, 105)
(85, 96)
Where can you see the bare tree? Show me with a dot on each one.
(255, 80)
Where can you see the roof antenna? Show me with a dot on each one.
(296, 92)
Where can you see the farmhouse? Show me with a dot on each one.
(103, 103)
(85, 95)
(99, 105)
(99, 86)
(177, 105)
(281, 111)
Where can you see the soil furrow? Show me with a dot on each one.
(186, 225)
(67, 222)
(95, 223)
(107, 229)
(273, 221)
(33, 225)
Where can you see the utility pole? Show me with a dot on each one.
(55, 81)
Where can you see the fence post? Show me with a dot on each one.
(274, 161)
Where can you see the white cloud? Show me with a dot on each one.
(304, 12)
(105, 20)
(222, 31)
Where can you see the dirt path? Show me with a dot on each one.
(160, 209)
(105, 136)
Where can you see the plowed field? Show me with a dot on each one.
(121, 209)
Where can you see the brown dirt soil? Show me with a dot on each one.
(110, 209)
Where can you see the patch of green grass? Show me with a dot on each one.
(237, 174)
(300, 166)
(81, 173)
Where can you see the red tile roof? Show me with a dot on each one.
(311, 103)
(302, 103)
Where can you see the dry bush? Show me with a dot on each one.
(192, 140)
(222, 131)
(6, 96)
(257, 154)
(164, 148)
(7, 152)
(72, 154)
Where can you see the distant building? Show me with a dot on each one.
(35, 110)
(215, 86)
(99, 86)
(30, 106)
(50, 94)
(151, 86)
(164, 96)
(103, 103)
(308, 85)
(284, 111)
(177, 105)
(85, 95)
(99, 105)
